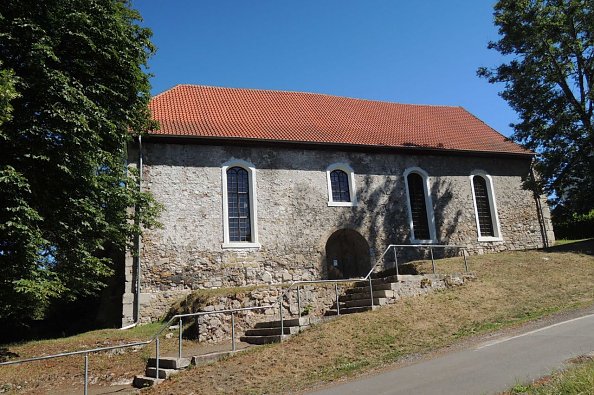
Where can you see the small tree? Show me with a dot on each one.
(73, 75)
(548, 81)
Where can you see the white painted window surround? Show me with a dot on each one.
(251, 169)
(428, 206)
(492, 206)
(352, 191)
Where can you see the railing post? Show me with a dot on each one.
(337, 304)
(179, 348)
(86, 390)
(371, 291)
(299, 307)
(232, 332)
(396, 262)
(157, 358)
(465, 262)
(282, 331)
(432, 260)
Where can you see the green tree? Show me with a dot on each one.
(548, 81)
(72, 92)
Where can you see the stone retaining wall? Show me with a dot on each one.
(315, 301)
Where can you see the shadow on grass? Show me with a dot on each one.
(584, 247)
(6, 354)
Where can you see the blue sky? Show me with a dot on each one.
(424, 52)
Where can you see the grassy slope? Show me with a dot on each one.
(512, 288)
(40, 376)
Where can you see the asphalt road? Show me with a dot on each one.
(487, 368)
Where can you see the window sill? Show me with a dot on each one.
(490, 238)
(240, 245)
(342, 204)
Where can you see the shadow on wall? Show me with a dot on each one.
(382, 218)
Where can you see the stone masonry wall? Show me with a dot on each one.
(294, 219)
(315, 300)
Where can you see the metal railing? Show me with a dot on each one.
(430, 247)
(180, 317)
(367, 278)
(154, 338)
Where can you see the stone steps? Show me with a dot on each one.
(303, 321)
(354, 300)
(378, 281)
(270, 331)
(350, 310)
(168, 366)
(169, 363)
(267, 339)
(385, 293)
(378, 287)
(364, 302)
(291, 330)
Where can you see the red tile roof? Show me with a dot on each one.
(295, 117)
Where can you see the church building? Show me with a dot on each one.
(262, 186)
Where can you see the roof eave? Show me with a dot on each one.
(184, 139)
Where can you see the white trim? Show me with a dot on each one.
(428, 206)
(251, 169)
(351, 177)
(492, 206)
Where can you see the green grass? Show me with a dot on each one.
(576, 380)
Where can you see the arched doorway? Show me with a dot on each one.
(347, 255)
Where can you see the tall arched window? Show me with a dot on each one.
(239, 205)
(420, 208)
(339, 181)
(341, 185)
(485, 207)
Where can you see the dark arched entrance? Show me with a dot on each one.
(347, 255)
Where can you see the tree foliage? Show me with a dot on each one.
(72, 91)
(548, 81)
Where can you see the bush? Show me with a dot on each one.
(576, 227)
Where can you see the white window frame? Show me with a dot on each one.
(352, 191)
(251, 169)
(428, 207)
(492, 205)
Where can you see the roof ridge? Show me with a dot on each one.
(309, 93)
(166, 90)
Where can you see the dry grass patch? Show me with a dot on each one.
(105, 367)
(511, 289)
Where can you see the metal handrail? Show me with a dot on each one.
(66, 354)
(154, 338)
(279, 302)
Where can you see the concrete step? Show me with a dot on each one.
(288, 330)
(163, 373)
(385, 293)
(263, 339)
(303, 321)
(364, 302)
(203, 359)
(145, 382)
(169, 363)
(378, 287)
(351, 310)
(377, 281)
